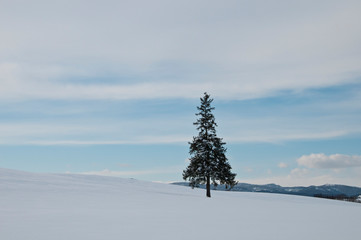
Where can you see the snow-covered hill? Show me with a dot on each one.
(69, 206)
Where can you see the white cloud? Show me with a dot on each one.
(319, 169)
(332, 161)
(282, 165)
(299, 172)
(236, 50)
(307, 177)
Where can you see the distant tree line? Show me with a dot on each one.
(341, 197)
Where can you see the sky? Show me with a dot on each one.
(112, 87)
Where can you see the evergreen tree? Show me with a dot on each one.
(208, 160)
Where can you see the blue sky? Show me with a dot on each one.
(111, 87)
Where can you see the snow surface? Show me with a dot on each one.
(70, 206)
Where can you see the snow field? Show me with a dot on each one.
(69, 206)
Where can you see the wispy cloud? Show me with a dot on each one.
(134, 75)
(149, 141)
(318, 169)
(25, 87)
(282, 165)
(111, 173)
(321, 160)
(270, 137)
(233, 54)
(299, 172)
(87, 136)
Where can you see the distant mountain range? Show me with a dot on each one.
(324, 190)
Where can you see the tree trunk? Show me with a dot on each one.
(208, 187)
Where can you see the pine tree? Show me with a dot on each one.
(208, 160)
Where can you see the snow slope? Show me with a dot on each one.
(69, 206)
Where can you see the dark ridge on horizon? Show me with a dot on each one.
(310, 191)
